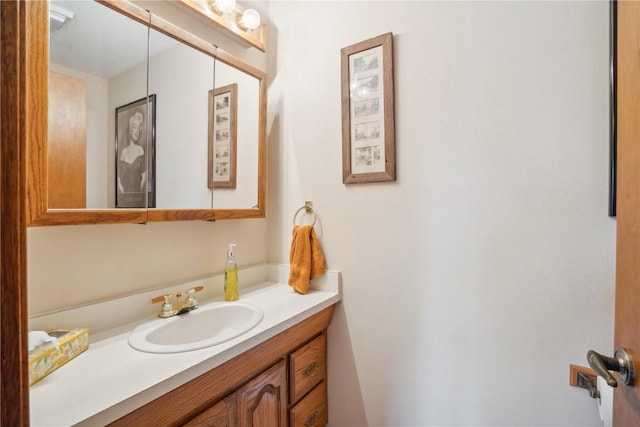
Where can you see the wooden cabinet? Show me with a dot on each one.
(260, 402)
(263, 400)
(308, 387)
(222, 414)
(277, 383)
(312, 410)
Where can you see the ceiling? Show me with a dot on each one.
(100, 41)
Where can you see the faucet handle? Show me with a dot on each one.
(191, 301)
(161, 298)
(167, 308)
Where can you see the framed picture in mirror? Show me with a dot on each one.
(223, 112)
(368, 124)
(135, 154)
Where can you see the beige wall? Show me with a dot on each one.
(74, 265)
(474, 280)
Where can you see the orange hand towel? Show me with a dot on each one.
(306, 261)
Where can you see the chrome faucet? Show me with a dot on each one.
(169, 309)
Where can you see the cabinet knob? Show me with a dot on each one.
(312, 420)
(312, 370)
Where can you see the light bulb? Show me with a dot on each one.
(225, 6)
(250, 19)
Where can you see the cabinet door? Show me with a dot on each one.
(222, 414)
(262, 402)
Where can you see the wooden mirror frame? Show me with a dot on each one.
(38, 213)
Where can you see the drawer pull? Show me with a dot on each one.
(312, 420)
(312, 370)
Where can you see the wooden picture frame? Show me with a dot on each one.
(368, 122)
(223, 130)
(135, 151)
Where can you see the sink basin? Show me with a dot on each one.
(206, 326)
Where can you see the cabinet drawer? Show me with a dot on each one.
(308, 367)
(312, 410)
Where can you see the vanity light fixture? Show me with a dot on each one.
(250, 20)
(243, 25)
(224, 6)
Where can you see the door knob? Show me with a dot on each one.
(621, 362)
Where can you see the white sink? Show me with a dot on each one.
(211, 324)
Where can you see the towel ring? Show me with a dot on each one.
(308, 209)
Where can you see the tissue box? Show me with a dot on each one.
(47, 358)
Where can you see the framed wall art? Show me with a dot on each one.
(135, 154)
(368, 123)
(613, 113)
(223, 110)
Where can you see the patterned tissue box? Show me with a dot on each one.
(48, 357)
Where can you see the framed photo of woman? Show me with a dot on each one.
(135, 154)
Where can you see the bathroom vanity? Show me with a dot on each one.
(252, 389)
(273, 375)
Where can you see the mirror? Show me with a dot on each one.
(199, 147)
(84, 83)
(243, 172)
(180, 79)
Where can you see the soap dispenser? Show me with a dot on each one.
(231, 291)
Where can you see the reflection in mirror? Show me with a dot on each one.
(84, 66)
(98, 68)
(244, 192)
(180, 78)
(135, 153)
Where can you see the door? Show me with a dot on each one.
(67, 142)
(626, 407)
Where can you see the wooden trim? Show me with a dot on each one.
(37, 99)
(262, 146)
(626, 406)
(219, 214)
(177, 33)
(155, 214)
(14, 381)
(235, 62)
(225, 378)
(128, 9)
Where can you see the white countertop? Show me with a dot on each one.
(111, 378)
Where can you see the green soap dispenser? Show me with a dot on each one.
(231, 291)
